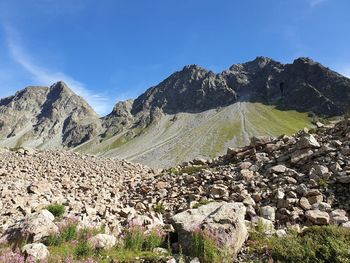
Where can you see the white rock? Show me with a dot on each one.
(103, 241)
(37, 250)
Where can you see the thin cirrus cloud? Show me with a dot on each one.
(42, 76)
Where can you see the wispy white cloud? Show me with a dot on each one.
(45, 76)
(314, 3)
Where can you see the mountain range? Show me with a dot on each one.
(193, 113)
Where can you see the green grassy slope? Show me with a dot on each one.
(206, 134)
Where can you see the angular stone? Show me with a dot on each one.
(315, 199)
(317, 217)
(300, 155)
(307, 141)
(278, 169)
(218, 191)
(103, 241)
(304, 203)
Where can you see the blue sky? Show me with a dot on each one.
(111, 50)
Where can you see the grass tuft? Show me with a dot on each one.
(205, 247)
(56, 209)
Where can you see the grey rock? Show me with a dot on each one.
(36, 250)
(224, 220)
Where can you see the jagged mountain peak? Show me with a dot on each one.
(54, 116)
(193, 67)
(61, 87)
(305, 60)
(258, 63)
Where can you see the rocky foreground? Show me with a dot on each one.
(284, 183)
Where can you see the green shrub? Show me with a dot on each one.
(159, 208)
(83, 249)
(155, 238)
(205, 247)
(323, 183)
(134, 238)
(70, 233)
(315, 244)
(56, 209)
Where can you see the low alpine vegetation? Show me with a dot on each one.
(57, 210)
(315, 244)
(68, 231)
(205, 247)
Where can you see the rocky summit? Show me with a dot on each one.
(192, 113)
(285, 184)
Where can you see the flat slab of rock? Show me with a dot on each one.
(278, 169)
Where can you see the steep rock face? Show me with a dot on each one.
(254, 80)
(303, 85)
(309, 86)
(52, 116)
(119, 119)
(192, 89)
(21, 109)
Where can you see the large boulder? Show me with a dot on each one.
(36, 250)
(224, 221)
(32, 228)
(103, 241)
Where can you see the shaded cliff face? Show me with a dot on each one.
(309, 86)
(52, 116)
(303, 85)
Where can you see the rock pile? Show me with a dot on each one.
(89, 187)
(289, 181)
(301, 179)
